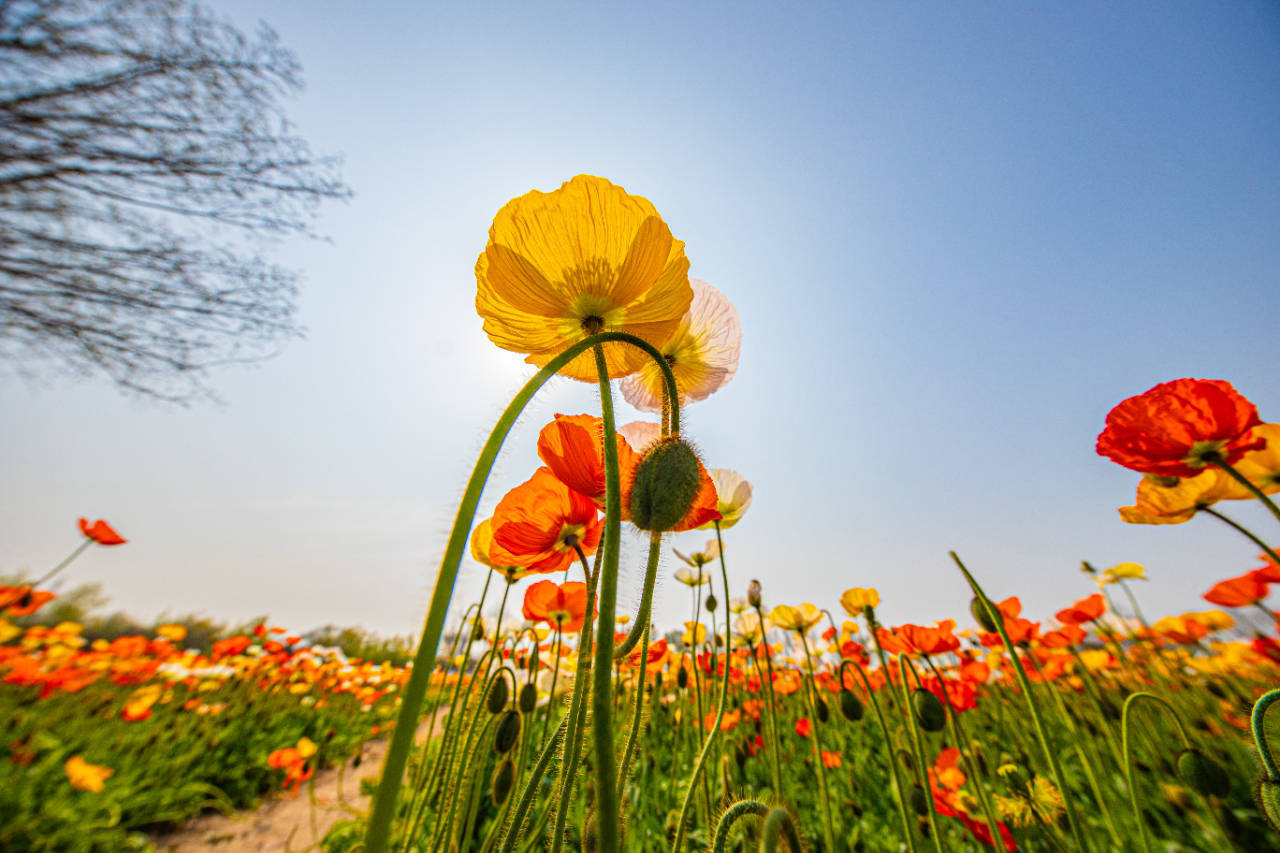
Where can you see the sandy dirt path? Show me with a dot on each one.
(284, 823)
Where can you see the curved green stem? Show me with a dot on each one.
(1248, 485)
(730, 816)
(1041, 735)
(899, 791)
(1239, 528)
(724, 692)
(1128, 757)
(637, 714)
(49, 574)
(646, 599)
(1260, 736)
(378, 833)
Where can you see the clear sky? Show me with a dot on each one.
(957, 234)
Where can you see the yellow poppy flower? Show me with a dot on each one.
(799, 619)
(748, 625)
(481, 539)
(1122, 571)
(8, 630)
(1214, 620)
(172, 633)
(586, 258)
(733, 497)
(1262, 467)
(702, 352)
(85, 776)
(306, 747)
(698, 559)
(856, 599)
(1179, 502)
(695, 634)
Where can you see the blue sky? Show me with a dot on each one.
(957, 234)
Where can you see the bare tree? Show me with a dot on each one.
(145, 165)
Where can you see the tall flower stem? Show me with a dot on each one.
(378, 833)
(49, 574)
(577, 707)
(1239, 528)
(966, 749)
(1248, 484)
(555, 675)
(1032, 709)
(1133, 602)
(821, 769)
(1128, 758)
(774, 764)
(646, 599)
(724, 692)
(917, 743)
(531, 786)
(637, 714)
(899, 791)
(606, 772)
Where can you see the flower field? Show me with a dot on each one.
(761, 723)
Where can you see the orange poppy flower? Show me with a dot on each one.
(1084, 610)
(101, 532)
(831, 759)
(657, 651)
(1237, 592)
(918, 639)
(572, 446)
(1066, 636)
(1177, 428)
(705, 507)
(537, 524)
(804, 728)
(23, 600)
(563, 606)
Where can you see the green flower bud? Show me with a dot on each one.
(919, 800)
(504, 779)
(527, 699)
(850, 706)
(929, 713)
(980, 614)
(498, 695)
(1203, 774)
(824, 713)
(682, 677)
(666, 484)
(504, 738)
(711, 603)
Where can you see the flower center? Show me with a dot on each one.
(1204, 452)
(570, 536)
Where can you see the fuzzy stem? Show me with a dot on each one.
(774, 765)
(1260, 735)
(646, 599)
(637, 715)
(730, 816)
(779, 826)
(917, 743)
(531, 786)
(1128, 758)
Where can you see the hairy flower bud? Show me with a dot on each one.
(682, 677)
(850, 706)
(711, 603)
(1268, 796)
(929, 713)
(666, 484)
(824, 713)
(498, 695)
(754, 594)
(981, 616)
(504, 779)
(507, 733)
(527, 699)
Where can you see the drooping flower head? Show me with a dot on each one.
(586, 258)
(733, 496)
(537, 524)
(1176, 428)
(1180, 499)
(702, 352)
(563, 606)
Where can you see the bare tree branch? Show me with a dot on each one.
(145, 165)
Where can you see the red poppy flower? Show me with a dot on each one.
(1267, 647)
(1084, 610)
(538, 522)
(1270, 571)
(657, 651)
(563, 606)
(101, 532)
(804, 728)
(1176, 428)
(974, 671)
(1237, 592)
(918, 639)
